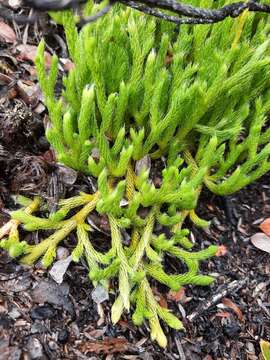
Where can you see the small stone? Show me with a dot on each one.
(63, 336)
(42, 313)
(143, 164)
(124, 203)
(59, 269)
(62, 253)
(53, 346)
(34, 348)
(95, 153)
(67, 175)
(37, 328)
(100, 294)
(14, 313)
(54, 294)
(232, 329)
(74, 329)
(5, 322)
(250, 348)
(14, 3)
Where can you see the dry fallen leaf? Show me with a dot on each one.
(29, 92)
(231, 305)
(28, 52)
(223, 314)
(261, 241)
(7, 33)
(265, 226)
(221, 251)
(97, 333)
(160, 298)
(163, 302)
(177, 295)
(5, 79)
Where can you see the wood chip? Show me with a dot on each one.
(106, 346)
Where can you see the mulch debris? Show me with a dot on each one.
(41, 318)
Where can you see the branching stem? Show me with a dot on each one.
(36, 251)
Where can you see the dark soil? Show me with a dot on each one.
(42, 320)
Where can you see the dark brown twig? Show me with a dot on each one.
(221, 292)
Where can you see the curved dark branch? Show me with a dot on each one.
(159, 14)
(184, 13)
(53, 5)
(96, 16)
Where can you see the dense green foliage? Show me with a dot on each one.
(198, 98)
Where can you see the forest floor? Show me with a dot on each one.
(40, 319)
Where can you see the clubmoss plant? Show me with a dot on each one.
(197, 98)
